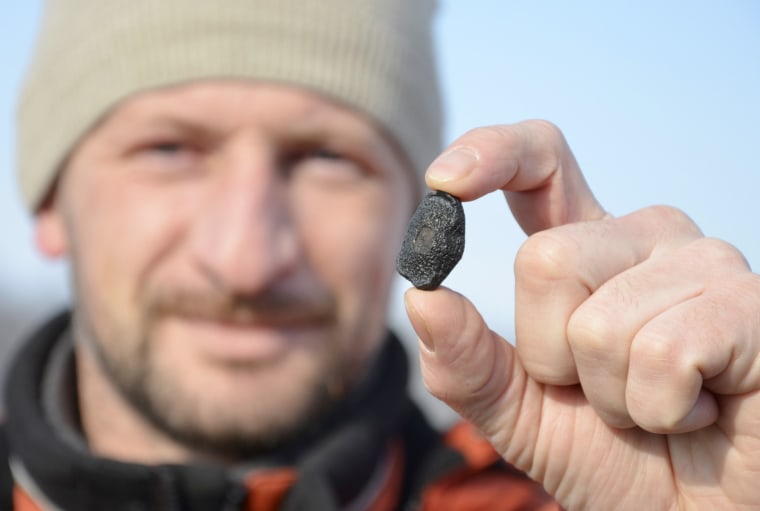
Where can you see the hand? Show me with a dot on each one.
(634, 381)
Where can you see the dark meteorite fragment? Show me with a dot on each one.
(434, 242)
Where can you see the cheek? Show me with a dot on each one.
(351, 242)
(118, 233)
(350, 245)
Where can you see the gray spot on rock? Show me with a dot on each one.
(434, 242)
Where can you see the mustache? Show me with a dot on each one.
(267, 309)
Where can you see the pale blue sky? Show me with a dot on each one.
(659, 100)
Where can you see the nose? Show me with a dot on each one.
(244, 240)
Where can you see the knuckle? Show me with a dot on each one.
(550, 153)
(747, 290)
(655, 349)
(673, 219)
(669, 214)
(548, 129)
(547, 255)
(718, 253)
(593, 329)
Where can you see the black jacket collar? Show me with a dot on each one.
(341, 457)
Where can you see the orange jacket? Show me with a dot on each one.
(483, 484)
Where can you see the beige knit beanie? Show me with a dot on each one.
(374, 55)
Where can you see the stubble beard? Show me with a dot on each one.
(241, 430)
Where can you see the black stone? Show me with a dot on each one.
(434, 242)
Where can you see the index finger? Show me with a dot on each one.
(530, 161)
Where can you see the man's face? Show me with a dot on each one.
(232, 246)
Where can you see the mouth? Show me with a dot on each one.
(240, 330)
(272, 317)
(248, 335)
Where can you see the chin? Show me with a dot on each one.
(246, 409)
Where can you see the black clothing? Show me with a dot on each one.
(336, 460)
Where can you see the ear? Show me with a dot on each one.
(50, 231)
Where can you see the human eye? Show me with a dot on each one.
(324, 153)
(167, 148)
(326, 165)
(167, 155)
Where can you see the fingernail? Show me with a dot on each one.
(419, 324)
(704, 413)
(453, 165)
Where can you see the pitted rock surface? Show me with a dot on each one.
(434, 241)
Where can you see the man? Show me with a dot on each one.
(231, 184)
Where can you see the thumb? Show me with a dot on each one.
(530, 161)
(474, 370)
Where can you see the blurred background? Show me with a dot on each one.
(660, 102)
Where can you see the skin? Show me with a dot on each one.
(634, 383)
(230, 271)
